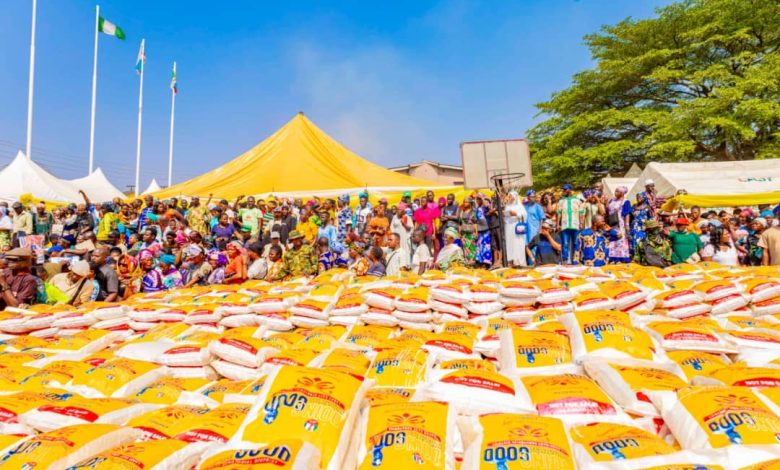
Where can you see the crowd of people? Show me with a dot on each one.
(110, 251)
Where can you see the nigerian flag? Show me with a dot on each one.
(107, 27)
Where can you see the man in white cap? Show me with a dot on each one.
(76, 284)
(275, 240)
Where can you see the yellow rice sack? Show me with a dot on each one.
(168, 454)
(571, 397)
(286, 454)
(321, 404)
(64, 447)
(396, 435)
(607, 442)
(715, 417)
(167, 422)
(511, 441)
(534, 352)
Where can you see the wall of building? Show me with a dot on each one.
(447, 176)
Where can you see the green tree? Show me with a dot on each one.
(699, 82)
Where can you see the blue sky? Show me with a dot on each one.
(394, 81)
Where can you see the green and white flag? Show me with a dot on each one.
(107, 27)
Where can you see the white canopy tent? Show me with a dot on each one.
(97, 187)
(153, 187)
(24, 176)
(610, 184)
(711, 178)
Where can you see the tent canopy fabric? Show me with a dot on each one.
(633, 172)
(610, 184)
(25, 177)
(152, 188)
(719, 200)
(723, 180)
(97, 187)
(297, 160)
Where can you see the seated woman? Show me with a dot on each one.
(377, 260)
(171, 276)
(450, 254)
(359, 264)
(218, 261)
(235, 272)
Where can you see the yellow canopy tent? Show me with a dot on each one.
(300, 160)
(720, 200)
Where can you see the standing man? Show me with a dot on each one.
(143, 216)
(42, 221)
(570, 220)
(344, 222)
(770, 242)
(197, 215)
(396, 257)
(685, 245)
(535, 213)
(22, 222)
(363, 213)
(449, 214)
(17, 284)
(251, 215)
(422, 254)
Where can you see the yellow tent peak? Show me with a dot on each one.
(298, 158)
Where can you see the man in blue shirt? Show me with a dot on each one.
(535, 213)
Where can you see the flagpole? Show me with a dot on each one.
(170, 145)
(31, 84)
(140, 113)
(94, 93)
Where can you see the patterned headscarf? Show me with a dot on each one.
(451, 232)
(127, 268)
(220, 258)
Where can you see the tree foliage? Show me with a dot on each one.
(698, 82)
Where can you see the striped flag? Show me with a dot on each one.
(107, 27)
(174, 87)
(141, 58)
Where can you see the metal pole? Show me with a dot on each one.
(94, 93)
(31, 84)
(140, 113)
(170, 145)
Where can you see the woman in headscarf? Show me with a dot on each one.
(129, 273)
(152, 277)
(468, 230)
(218, 261)
(235, 272)
(6, 226)
(359, 264)
(171, 277)
(640, 213)
(619, 208)
(484, 255)
(515, 229)
(450, 254)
